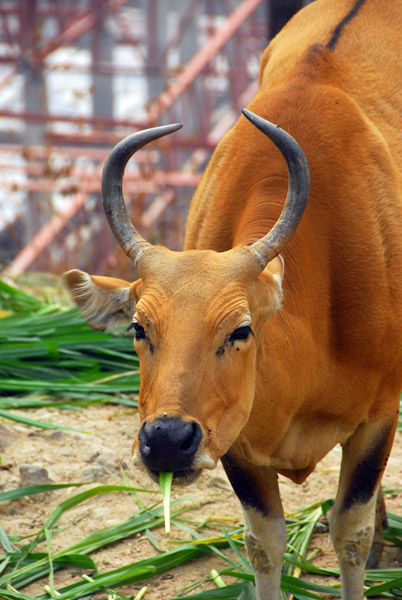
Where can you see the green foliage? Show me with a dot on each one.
(20, 564)
(12, 299)
(48, 355)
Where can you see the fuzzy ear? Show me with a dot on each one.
(277, 267)
(105, 302)
(272, 276)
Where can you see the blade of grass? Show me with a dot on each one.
(75, 561)
(233, 543)
(10, 592)
(41, 424)
(153, 541)
(394, 584)
(230, 592)
(5, 542)
(48, 536)
(165, 481)
(31, 490)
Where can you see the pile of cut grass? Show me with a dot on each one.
(21, 564)
(48, 355)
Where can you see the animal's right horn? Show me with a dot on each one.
(113, 200)
(269, 246)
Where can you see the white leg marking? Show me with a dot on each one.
(352, 533)
(265, 539)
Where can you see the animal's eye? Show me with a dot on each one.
(139, 332)
(241, 333)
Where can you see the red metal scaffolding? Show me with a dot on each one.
(77, 77)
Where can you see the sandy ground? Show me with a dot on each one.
(98, 457)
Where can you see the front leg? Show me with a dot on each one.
(353, 515)
(265, 528)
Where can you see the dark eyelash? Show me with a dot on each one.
(129, 328)
(139, 331)
(241, 333)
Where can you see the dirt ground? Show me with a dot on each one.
(97, 458)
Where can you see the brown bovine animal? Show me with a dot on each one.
(264, 344)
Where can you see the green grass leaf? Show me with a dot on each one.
(50, 349)
(165, 481)
(6, 414)
(31, 490)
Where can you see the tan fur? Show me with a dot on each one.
(342, 289)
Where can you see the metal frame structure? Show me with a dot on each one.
(195, 61)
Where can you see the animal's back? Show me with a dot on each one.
(363, 37)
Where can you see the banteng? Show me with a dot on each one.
(267, 342)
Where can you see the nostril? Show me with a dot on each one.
(191, 439)
(186, 445)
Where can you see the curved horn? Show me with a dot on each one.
(269, 246)
(112, 177)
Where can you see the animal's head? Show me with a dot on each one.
(197, 317)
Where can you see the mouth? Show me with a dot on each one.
(180, 478)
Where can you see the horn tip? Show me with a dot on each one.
(248, 114)
(258, 121)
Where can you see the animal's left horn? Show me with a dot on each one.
(269, 246)
(113, 200)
